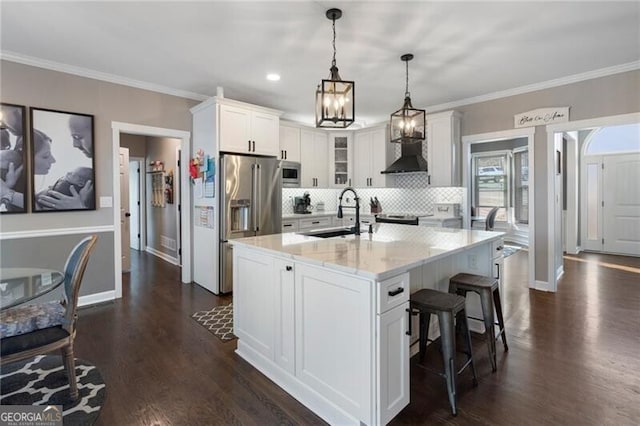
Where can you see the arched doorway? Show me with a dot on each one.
(609, 190)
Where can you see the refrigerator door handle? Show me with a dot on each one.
(257, 195)
(254, 198)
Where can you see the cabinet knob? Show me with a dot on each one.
(289, 268)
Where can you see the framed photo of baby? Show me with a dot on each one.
(62, 161)
(13, 159)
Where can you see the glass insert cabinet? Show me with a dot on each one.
(341, 159)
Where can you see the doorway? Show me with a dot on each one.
(504, 176)
(136, 204)
(578, 211)
(610, 192)
(184, 137)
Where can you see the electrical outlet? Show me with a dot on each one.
(473, 261)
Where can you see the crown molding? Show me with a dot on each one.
(97, 75)
(602, 72)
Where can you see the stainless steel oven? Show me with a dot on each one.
(290, 171)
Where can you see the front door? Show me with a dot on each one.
(124, 208)
(621, 196)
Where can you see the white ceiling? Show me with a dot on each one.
(462, 49)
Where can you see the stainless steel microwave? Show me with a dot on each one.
(290, 171)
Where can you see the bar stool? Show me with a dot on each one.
(487, 289)
(447, 307)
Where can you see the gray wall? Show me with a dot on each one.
(162, 221)
(136, 144)
(51, 252)
(600, 97)
(108, 102)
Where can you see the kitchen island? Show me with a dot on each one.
(328, 319)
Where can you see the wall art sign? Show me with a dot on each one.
(541, 117)
(62, 161)
(13, 159)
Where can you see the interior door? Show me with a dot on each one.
(124, 209)
(134, 205)
(621, 196)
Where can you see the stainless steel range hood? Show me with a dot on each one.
(410, 160)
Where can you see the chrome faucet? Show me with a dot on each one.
(356, 228)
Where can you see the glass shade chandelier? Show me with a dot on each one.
(335, 98)
(408, 124)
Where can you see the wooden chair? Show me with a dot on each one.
(49, 336)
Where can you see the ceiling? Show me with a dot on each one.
(462, 49)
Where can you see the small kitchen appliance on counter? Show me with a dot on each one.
(302, 205)
(446, 210)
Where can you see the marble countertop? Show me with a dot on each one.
(389, 250)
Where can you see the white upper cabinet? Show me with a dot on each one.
(314, 155)
(289, 143)
(443, 142)
(371, 154)
(246, 130)
(340, 161)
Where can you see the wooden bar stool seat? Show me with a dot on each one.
(450, 310)
(488, 290)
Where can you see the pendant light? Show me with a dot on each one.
(408, 124)
(335, 103)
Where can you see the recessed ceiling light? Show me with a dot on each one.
(273, 77)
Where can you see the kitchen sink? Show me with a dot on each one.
(328, 233)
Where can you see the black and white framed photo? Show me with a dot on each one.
(13, 159)
(62, 161)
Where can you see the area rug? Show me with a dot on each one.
(509, 250)
(42, 380)
(218, 321)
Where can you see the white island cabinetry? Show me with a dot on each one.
(312, 328)
(328, 319)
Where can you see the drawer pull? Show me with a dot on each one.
(396, 291)
(316, 222)
(287, 225)
(499, 248)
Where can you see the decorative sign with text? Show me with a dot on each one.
(541, 117)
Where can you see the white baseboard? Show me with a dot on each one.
(163, 256)
(559, 272)
(328, 411)
(92, 299)
(542, 286)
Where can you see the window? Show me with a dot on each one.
(490, 184)
(614, 139)
(501, 179)
(521, 186)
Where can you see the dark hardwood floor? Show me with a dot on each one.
(573, 357)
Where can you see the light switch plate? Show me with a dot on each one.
(106, 201)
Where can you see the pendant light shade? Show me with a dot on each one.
(335, 98)
(408, 124)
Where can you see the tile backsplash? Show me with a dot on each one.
(408, 199)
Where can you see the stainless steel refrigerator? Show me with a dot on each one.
(250, 205)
